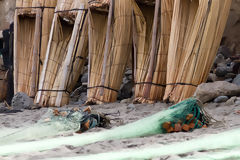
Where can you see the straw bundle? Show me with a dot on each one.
(197, 28)
(151, 56)
(65, 56)
(30, 16)
(98, 3)
(110, 49)
(97, 35)
(3, 85)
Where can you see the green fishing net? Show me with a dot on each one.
(145, 127)
(52, 123)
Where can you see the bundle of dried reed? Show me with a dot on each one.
(197, 28)
(151, 55)
(65, 56)
(110, 48)
(30, 16)
(98, 3)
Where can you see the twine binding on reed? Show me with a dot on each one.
(104, 88)
(164, 85)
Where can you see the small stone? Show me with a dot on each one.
(231, 101)
(237, 80)
(219, 59)
(237, 103)
(126, 90)
(230, 75)
(129, 72)
(220, 99)
(131, 106)
(84, 78)
(225, 51)
(129, 100)
(229, 80)
(212, 77)
(221, 71)
(222, 64)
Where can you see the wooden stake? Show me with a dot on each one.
(153, 51)
(35, 52)
(134, 46)
(67, 62)
(89, 50)
(15, 53)
(107, 43)
(43, 74)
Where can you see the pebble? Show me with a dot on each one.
(231, 101)
(220, 99)
(221, 71)
(237, 80)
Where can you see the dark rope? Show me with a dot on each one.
(46, 90)
(70, 10)
(34, 7)
(164, 85)
(103, 87)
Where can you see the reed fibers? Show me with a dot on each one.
(197, 29)
(106, 78)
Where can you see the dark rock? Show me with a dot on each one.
(129, 100)
(126, 91)
(84, 78)
(225, 51)
(237, 103)
(229, 80)
(222, 64)
(236, 67)
(77, 92)
(231, 101)
(208, 91)
(128, 72)
(237, 80)
(221, 99)
(21, 101)
(82, 98)
(219, 59)
(230, 75)
(130, 77)
(221, 71)
(212, 77)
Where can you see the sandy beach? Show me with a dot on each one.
(127, 113)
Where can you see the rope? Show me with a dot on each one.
(164, 85)
(70, 10)
(207, 117)
(48, 90)
(42, 7)
(103, 87)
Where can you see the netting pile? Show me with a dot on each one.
(53, 123)
(148, 126)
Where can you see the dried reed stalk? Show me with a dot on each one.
(37, 37)
(151, 69)
(118, 53)
(197, 28)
